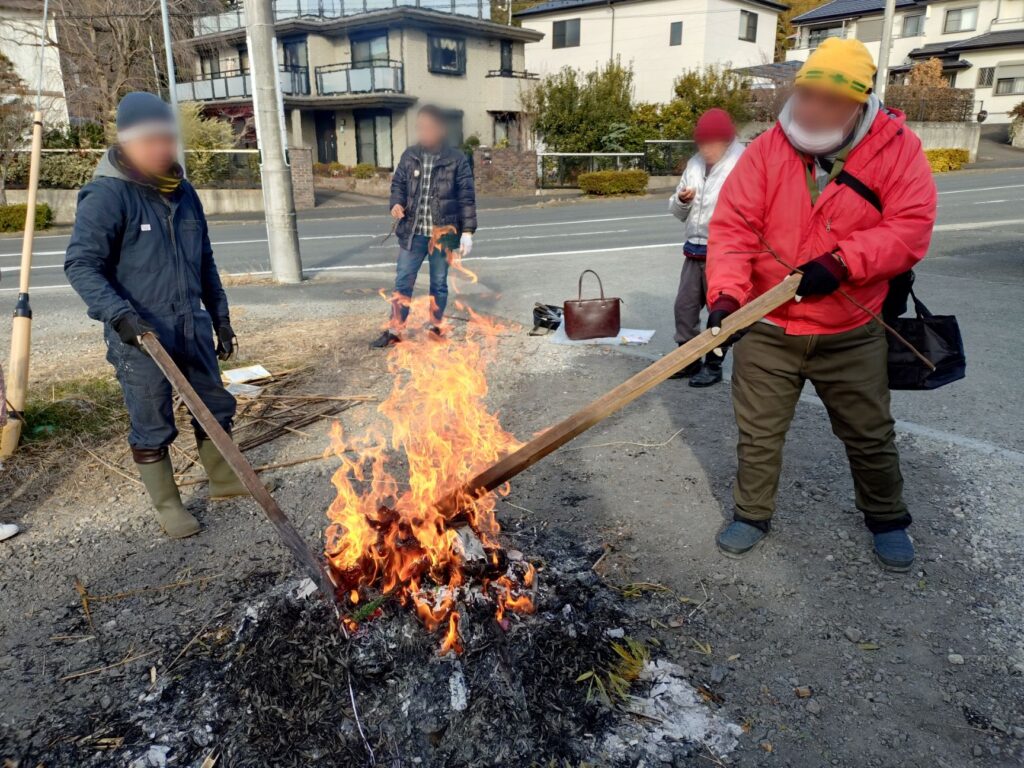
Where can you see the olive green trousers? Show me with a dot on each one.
(848, 371)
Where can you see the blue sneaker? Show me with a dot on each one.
(894, 550)
(738, 538)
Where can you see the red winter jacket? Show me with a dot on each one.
(769, 186)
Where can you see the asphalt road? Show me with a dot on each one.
(534, 253)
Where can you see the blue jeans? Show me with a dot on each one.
(147, 393)
(409, 263)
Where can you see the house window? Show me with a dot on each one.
(816, 37)
(675, 33)
(961, 20)
(1009, 86)
(447, 55)
(913, 25)
(748, 26)
(506, 57)
(506, 129)
(295, 56)
(370, 49)
(209, 65)
(243, 59)
(985, 77)
(566, 34)
(869, 30)
(373, 137)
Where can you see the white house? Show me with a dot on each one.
(21, 26)
(980, 42)
(658, 38)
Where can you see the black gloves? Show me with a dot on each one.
(720, 309)
(130, 327)
(821, 276)
(225, 339)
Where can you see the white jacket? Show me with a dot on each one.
(696, 215)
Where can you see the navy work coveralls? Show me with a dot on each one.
(133, 249)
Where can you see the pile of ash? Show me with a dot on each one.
(279, 689)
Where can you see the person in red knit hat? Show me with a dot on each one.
(693, 203)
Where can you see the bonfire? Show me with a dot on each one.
(402, 525)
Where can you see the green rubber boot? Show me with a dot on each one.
(158, 477)
(224, 483)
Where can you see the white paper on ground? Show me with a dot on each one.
(627, 336)
(248, 373)
(244, 390)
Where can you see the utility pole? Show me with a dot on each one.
(278, 197)
(882, 78)
(172, 78)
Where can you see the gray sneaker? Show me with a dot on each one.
(738, 539)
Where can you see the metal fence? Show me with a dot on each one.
(934, 104)
(667, 157)
(237, 84)
(73, 168)
(379, 77)
(561, 170)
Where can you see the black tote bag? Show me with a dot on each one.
(938, 338)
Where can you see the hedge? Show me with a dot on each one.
(63, 170)
(942, 160)
(12, 217)
(613, 182)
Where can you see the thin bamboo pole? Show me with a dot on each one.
(21, 332)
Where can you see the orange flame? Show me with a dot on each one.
(388, 534)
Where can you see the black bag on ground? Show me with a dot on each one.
(546, 318)
(937, 337)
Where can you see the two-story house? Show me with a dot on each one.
(979, 42)
(351, 72)
(659, 39)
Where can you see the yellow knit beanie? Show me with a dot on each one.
(841, 66)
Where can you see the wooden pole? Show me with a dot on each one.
(600, 409)
(21, 331)
(310, 563)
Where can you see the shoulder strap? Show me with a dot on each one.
(858, 186)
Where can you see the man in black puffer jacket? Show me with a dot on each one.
(434, 203)
(140, 258)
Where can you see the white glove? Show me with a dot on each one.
(465, 244)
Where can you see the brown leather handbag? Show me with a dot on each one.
(591, 318)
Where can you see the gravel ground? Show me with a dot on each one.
(821, 657)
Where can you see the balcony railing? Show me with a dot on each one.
(517, 73)
(376, 77)
(234, 18)
(236, 84)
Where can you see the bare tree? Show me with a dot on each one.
(15, 120)
(110, 47)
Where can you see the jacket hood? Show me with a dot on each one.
(108, 168)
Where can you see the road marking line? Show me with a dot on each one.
(391, 264)
(527, 237)
(939, 435)
(980, 189)
(39, 289)
(977, 225)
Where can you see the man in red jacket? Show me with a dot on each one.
(841, 190)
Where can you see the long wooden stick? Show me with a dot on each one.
(21, 330)
(291, 538)
(627, 392)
